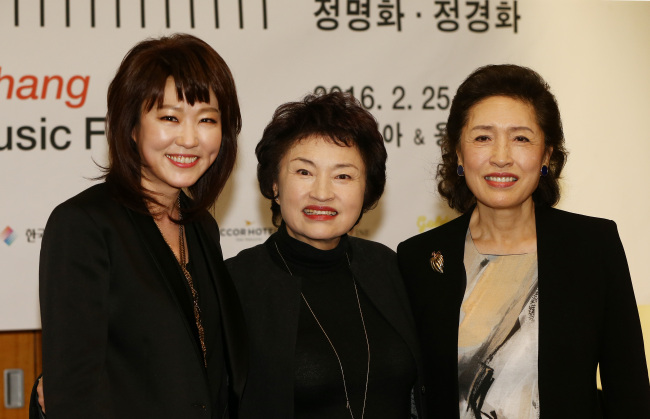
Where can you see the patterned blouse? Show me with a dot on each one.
(498, 335)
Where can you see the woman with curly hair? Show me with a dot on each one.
(517, 303)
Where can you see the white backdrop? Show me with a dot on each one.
(405, 67)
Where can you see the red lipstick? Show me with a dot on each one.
(319, 213)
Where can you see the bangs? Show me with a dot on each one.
(341, 139)
(191, 74)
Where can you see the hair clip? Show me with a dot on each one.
(437, 261)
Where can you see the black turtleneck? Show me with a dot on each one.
(328, 286)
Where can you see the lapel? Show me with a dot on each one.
(454, 243)
(271, 301)
(436, 298)
(551, 275)
(445, 290)
(376, 278)
(168, 270)
(232, 317)
(450, 286)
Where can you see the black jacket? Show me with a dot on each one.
(271, 301)
(117, 340)
(588, 316)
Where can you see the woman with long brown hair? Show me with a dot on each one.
(140, 318)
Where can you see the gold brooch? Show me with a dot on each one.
(437, 261)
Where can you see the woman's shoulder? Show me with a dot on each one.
(206, 220)
(89, 215)
(454, 228)
(255, 275)
(97, 193)
(574, 223)
(95, 200)
(247, 260)
(372, 257)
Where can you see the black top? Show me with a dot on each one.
(116, 339)
(328, 286)
(209, 306)
(591, 317)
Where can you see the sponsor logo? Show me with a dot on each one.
(8, 235)
(72, 90)
(44, 136)
(424, 223)
(34, 234)
(247, 232)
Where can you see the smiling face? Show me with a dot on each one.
(320, 189)
(177, 142)
(502, 151)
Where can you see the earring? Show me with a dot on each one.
(544, 170)
(460, 170)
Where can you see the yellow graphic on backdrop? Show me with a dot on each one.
(427, 224)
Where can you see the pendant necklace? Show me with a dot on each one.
(365, 332)
(182, 261)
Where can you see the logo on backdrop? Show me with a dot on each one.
(248, 232)
(69, 91)
(8, 236)
(425, 223)
(34, 234)
(44, 136)
(72, 91)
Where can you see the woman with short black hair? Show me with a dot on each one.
(330, 328)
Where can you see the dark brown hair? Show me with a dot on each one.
(516, 82)
(336, 116)
(139, 85)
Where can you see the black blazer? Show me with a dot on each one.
(588, 316)
(271, 301)
(117, 340)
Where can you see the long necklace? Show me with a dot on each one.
(365, 332)
(182, 260)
